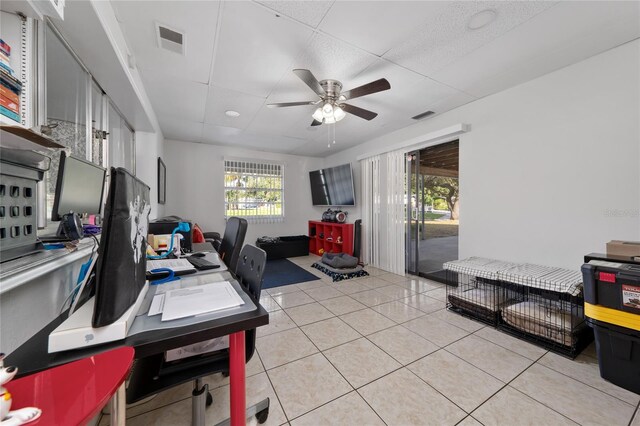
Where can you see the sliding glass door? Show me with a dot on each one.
(432, 213)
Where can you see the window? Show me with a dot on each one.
(254, 190)
(79, 115)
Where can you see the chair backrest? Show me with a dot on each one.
(250, 268)
(232, 241)
(251, 264)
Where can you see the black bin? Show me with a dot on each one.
(618, 354)
(282, 247)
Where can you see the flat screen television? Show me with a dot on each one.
(333, 186)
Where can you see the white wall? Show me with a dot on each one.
(550, 169)
(195, 187)
(150, 146)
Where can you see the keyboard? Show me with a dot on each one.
(201, 264)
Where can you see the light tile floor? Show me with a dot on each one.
(382, 350)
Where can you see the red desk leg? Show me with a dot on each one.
(237, 378)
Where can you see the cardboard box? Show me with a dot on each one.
(623, 248)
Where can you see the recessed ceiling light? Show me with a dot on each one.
(481, 19)
(232, 113)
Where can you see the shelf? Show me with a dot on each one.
(333, 230)
(15, 136)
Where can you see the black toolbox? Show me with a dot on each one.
(612, 308)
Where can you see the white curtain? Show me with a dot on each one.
(370, 172)
(383, 224)
(394, 219)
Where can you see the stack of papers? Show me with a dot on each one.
(195, 300)
(176, 264)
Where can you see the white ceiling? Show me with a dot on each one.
(240, 56)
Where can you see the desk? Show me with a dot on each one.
(33, 356)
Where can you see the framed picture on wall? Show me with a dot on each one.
(162, 182)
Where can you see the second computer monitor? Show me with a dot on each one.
(79, 188)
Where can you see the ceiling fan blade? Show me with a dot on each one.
(290, 104)
(316, 123)
(307, 77)
(360, 112)
(367, 89)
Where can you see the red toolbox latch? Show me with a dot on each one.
(607, 277)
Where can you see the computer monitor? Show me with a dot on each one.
(122, 263)
(79, 187)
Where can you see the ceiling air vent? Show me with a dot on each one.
(169, 39)
(423, 115)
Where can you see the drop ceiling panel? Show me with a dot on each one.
(218, 135)
(444, 37)
(280, 144)
(524, 55)
(329, 58)
(255, 48)
(307, 12)
(181, 99)
(380, 25)
(277, 121)
(178, 129)
(220, 100)
(139, 19)
(410, 93)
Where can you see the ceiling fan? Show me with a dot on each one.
(331, 103)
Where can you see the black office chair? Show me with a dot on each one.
(151, 375)
(232, 241)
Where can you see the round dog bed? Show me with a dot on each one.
(339, 260)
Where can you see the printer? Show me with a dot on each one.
(166, 225)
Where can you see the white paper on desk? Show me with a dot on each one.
(189, 281)
(157, 305)
(190, 301)
(175, 264)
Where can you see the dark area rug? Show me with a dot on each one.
(340, 276)
(280, 272)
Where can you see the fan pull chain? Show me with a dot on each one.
(328, 136)
(334, 134)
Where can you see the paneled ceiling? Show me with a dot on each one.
(239, 55)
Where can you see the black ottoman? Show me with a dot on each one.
(281, 247)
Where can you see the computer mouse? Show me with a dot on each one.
(198, 255)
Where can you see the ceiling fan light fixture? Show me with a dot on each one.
(329, 120)
(338, 113)
(317, 115)
(327, 110)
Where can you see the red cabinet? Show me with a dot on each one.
(329, 237)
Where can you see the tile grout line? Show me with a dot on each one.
(529, 396)
(437, 391)
(334, 367)
(636, 413)
(272, 387)
(580, 381)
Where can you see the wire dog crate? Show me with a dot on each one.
(547, 307)
(540, 304)
(474, 289)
